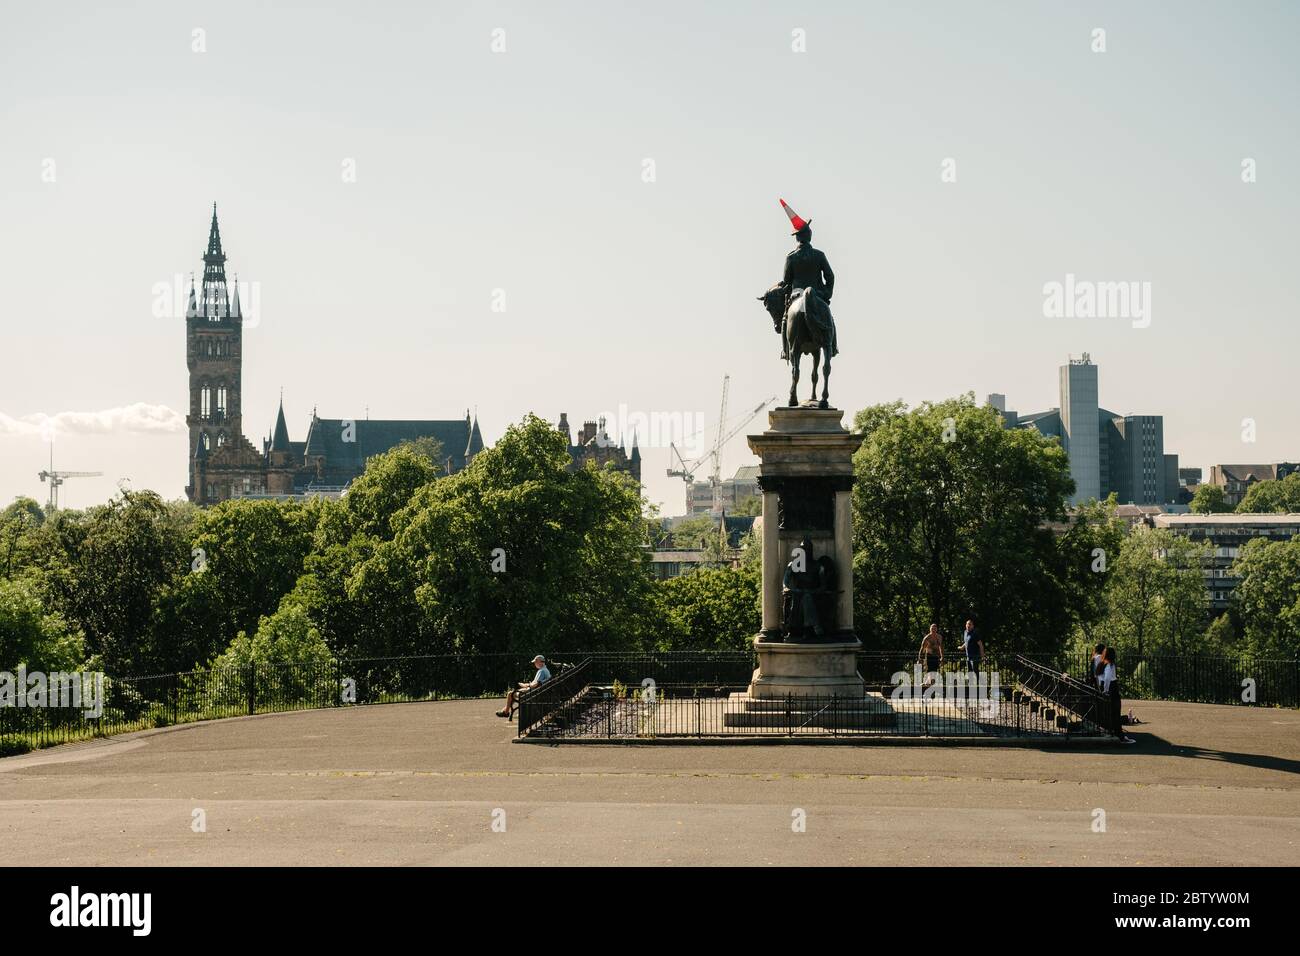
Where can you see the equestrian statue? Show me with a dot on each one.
(800, 309)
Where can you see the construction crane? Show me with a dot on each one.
(686, 470)
(56, 479)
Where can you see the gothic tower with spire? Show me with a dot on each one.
(214, 356)
(223, 464)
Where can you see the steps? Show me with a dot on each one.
(826, 713)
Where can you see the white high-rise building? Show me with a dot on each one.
(1080, 427)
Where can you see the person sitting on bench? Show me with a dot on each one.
(542, 676)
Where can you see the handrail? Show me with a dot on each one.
(538, 703)
(1068, 693)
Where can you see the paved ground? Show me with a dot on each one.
(420, 784)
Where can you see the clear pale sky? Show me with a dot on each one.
(523, 171)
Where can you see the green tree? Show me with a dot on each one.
(285, 638)
(351, 626)
(710, 609)
(951, 521)
(385, 488)
(356, 621)
(751, 549)
(1266, 599)
(516, 552)
(426, 447)
(189, 626)
(285, 661)
(1089, 545)
(695, 534)
(1184, 610)
(248, 554)
(18, 524)
(1220, 637)
(32, 635)
(1209, 500)
(704, 534)
(1156, 598)
(105, 568)
(1273, 497)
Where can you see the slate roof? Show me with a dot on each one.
(376, 436)
(1248, 472)
(280, 440)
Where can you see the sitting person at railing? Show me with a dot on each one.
(540, 678)
(1110, 686)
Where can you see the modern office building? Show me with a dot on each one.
(1123, 454)
(1227, 534)
(1173, 487)
(1080, 427)
(735, 492)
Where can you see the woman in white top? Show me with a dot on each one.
(1107, 677)
(1110, 687)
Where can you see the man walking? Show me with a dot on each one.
(931, 653)
(974, 648)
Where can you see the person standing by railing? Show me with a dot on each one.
(1094, 675)
(974, 649)
(1110, 687)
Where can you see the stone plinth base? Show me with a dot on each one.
(797, 712)
(806, 670)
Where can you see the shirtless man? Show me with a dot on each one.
(931, 652)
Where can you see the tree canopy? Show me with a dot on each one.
(951, 522)
(1273, 497)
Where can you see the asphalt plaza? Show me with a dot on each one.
(440, 783)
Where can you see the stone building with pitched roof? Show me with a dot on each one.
(1236, 480)
(594, 444)
(224, 464)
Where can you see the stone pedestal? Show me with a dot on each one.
(806, 670)
(806, 476)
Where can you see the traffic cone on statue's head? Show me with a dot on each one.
(795, 220)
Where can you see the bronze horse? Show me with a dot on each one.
(803, 335)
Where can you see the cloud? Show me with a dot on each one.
(139, 418)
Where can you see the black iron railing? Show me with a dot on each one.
(944, 710)
(1056, 692)
(137, 703)
(545, 701)
(1205, 679)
